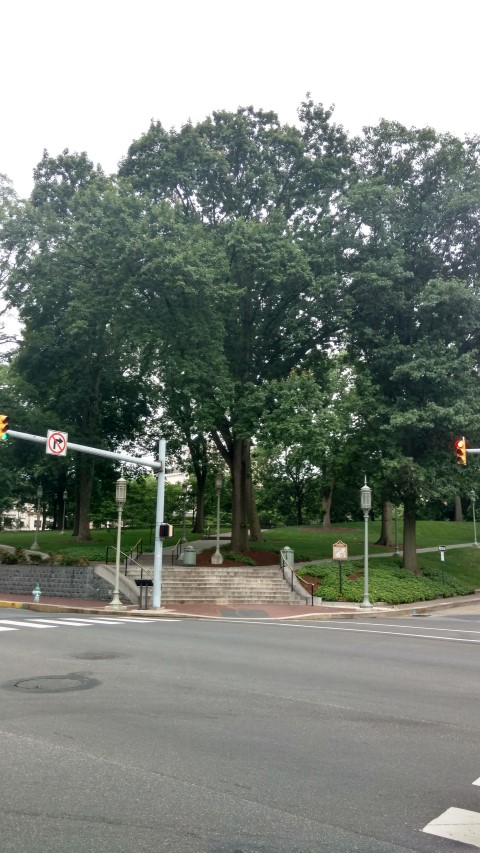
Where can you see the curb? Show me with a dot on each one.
(416, 608)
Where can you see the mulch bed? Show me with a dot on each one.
(307, 581)
(260, 558)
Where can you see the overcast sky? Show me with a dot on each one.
(89, 75)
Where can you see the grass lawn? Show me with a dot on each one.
(316, 544)
(51, 541)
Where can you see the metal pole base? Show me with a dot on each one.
(34, 547)
(366, 603)
(217, 559)
(115, 603)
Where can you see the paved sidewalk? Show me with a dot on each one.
(328, 610)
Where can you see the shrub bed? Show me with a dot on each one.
(387, 581)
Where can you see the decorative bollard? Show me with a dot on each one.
(37, 593)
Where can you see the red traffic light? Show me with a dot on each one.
(461, 451)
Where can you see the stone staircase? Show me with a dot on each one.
(224, 585)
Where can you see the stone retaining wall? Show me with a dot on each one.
(61, 581)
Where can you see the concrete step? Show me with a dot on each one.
(225, 585)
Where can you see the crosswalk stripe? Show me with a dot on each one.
(477, 782)
(69, 620)
(55, 622)
(458, 825)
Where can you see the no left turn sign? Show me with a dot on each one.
(56, 442)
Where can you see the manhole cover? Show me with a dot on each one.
(97, 655)
(57, 683)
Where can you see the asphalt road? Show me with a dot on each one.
(194, 736)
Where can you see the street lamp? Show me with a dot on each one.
(473, 498)
(184, 492)
(396, 552)
(366, 504)
(120, 498)
(35, 546)
(65, 496)
(217, 557)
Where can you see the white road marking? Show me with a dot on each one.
(458, 825)
(105, 621)
(353, 630)
(55, 622)
(417, 627)
(99, 621)
(477, 782)
(71, 622)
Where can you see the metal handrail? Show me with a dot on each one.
(138, 550)
(177, 549)
(127, 558)
(283, 563)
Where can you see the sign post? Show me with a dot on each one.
(340, 553)
(442, 550)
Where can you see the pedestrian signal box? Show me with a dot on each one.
(166, 531)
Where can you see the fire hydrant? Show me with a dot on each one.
(37, 593)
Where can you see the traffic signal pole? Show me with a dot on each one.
(93, 451)
(158, 552)
(156, 465)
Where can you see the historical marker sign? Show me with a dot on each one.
(340, 551)
(56, 442)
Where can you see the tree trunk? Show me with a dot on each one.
(386, 529)
(326, 506)
(409, 535)
(84, 492)
(252, 515)
(239, 496)
(199, 524)
(458, 512)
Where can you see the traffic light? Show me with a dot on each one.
(4, 425)
(166, 531)
(461, 451)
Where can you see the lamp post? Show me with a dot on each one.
(120, 498)
(35, 546)
(217, 557)
(65, 496)
(396, 552)
(473, 498)
(184, 492)
(366, 504)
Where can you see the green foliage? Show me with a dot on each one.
(387, 582)
(8, 559)
(36, 558)
(238, 558)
